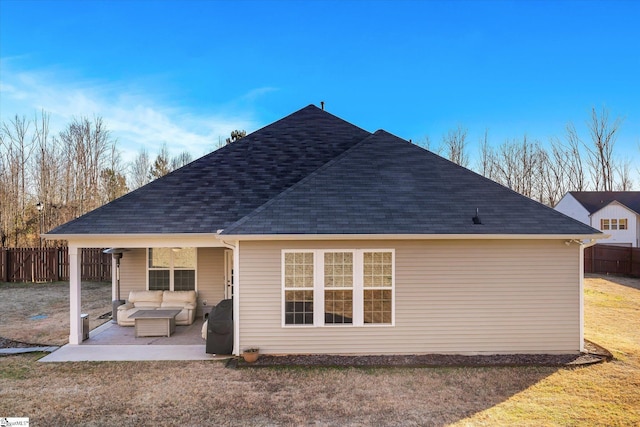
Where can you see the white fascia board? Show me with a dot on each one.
(239, 237)
(190, 240)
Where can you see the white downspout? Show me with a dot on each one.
(114, 278)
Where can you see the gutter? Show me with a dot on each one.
(569, 237)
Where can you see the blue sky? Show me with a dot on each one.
(187, 73)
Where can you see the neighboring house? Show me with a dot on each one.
(616, 213)
(342, 241)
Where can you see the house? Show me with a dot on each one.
(615, 213)
(332, 239)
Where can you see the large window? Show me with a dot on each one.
(298, 288)
(338, 287)
(378, 287)
(172, 269)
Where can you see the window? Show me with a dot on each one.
(172, 269)
(298, 288)
(338, 287)
(378, 287)
(614, 224)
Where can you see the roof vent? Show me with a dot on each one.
(322, 105)
(476, 219)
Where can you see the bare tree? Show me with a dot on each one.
(624, 181)
(180, 160)
(425, 143)
(600, 152)
(161, 166)
(63, 175)
(17, 147)
(454, 146)
(113, 180)
(517, 165)
(139, 170)
(575, 168)
(86, 147)
(47, 172)
(486, 161)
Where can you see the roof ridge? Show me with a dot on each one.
(298, 183)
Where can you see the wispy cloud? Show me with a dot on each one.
(136, 119)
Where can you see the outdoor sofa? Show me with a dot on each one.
(186, 301)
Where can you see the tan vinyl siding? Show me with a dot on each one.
(210, 277)
(133, 271)
(451, 297)
(210, 274)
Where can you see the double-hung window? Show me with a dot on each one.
(338, 288)
(352, 287)
(298, 288)
(172, 269)
(378, 287)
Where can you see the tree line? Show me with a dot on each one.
(48, 178)
(570, 163)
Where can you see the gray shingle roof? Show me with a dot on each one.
(385, 185)
(313, 173)
(220, 188)
(593, 201)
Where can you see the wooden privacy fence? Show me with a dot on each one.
(51, 264)
(607, 259)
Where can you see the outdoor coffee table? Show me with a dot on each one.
(155, 323)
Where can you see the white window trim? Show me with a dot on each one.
(283, 289)
(358, 288)
(171, 269)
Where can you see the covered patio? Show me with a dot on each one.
(110, 342)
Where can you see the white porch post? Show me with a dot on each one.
(236, 299)
(75, 253)
(114, 279)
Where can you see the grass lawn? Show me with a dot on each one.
(39, 312)
(206, 393)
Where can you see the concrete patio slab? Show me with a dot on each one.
(110, 342)
(111, 333)
(107, 353)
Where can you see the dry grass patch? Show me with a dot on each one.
(606, 394)
(39, 312)
(205, 393)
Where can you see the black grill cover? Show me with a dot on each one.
(220, 328)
